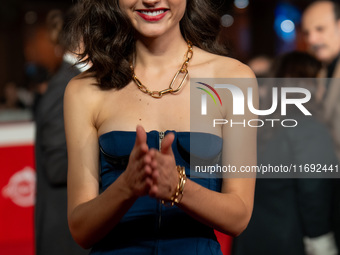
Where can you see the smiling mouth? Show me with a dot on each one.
(152, 13)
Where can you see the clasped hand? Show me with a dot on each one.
(151, 172)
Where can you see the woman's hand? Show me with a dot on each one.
(138, 174)
(164, 171)
(151, 172)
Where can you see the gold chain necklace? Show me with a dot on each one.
(170, 89)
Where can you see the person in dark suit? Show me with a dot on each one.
(51, 228)
(321, 27)
(292, 216)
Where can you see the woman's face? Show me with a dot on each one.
(153, 18)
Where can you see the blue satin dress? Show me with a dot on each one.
(150, 227)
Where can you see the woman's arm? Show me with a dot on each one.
(229, 211)
(91, 216)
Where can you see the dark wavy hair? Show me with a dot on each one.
(296, 64)
(108, 37)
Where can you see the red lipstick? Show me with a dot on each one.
(151, 15)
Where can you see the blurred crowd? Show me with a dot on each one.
(300, 215)
(43, 55)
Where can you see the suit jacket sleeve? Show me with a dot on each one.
(312, 144)
(54, 145)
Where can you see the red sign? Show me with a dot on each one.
(17, 192)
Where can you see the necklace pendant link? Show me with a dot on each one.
(144, 89)
(140, 85)
(165, 91)
(184, 67)
(159, 94)
(185, 71)
(156, 94)
(189, 54)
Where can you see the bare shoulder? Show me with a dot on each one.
(82, 98)
(243, 77)
(82, 88)
(81, 85)
(232, 68)
(223, 67)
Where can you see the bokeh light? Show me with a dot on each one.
(241, 4)
(227, 20)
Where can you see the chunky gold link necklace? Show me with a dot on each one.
(170, 89)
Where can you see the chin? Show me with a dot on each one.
(152, 33)
(322, 57)
(325, 59)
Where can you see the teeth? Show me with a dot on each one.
(153, 13)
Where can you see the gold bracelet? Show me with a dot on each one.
(177, 196)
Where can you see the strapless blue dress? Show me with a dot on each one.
(150, 227)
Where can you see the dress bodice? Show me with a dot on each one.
(149, 226)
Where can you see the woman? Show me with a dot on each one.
(149, 40)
